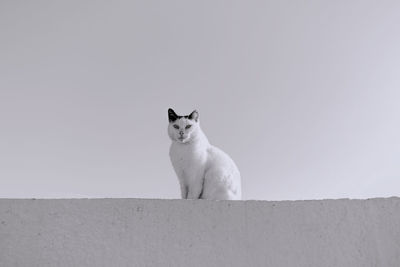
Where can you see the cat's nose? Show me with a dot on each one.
(181, 133)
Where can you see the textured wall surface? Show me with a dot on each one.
(139, 232)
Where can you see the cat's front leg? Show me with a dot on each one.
(184, 191)
(195, 189)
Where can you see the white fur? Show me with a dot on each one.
(203, 170)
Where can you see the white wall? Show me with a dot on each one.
(137, 232)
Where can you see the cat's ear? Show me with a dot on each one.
(172, 115)
(194, 116)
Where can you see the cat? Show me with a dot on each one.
(204, 171)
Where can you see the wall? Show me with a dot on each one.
(144, 232)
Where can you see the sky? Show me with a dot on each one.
(304, 96)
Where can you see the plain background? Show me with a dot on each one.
(304, 95)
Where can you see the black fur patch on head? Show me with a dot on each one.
(172, 115)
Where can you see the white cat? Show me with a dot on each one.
(204, 171)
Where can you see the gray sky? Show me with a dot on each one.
(303, 95)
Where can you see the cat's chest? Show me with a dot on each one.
(187, 157)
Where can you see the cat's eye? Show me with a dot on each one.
(176, 126)
(188, 126)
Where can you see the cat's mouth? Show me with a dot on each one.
(182, 139)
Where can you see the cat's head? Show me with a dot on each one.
(182, 129)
